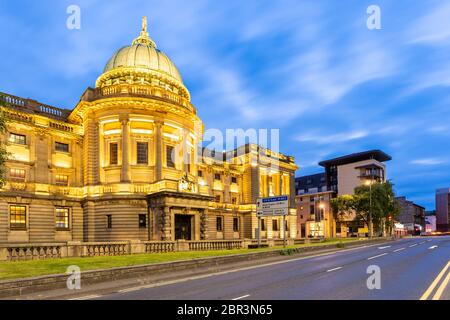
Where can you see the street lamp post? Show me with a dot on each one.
(370, 207)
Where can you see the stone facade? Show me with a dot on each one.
(125, 164)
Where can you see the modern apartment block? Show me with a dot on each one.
(443, 209)
(342, 175)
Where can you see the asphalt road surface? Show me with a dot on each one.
(416, 268)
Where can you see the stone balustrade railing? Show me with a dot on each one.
(215, 245)
(32, 251)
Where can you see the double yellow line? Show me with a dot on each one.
(437, 295)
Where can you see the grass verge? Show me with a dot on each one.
(26, 269)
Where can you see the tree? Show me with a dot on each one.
(383, 208)
(3, 153)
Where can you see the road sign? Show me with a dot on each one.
(272, 206)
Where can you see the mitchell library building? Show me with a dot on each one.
(127, 164)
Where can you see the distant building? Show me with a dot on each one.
(342, 175)
(411, 214)
(430, 221)
(443, 209)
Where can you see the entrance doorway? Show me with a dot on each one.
(183, 227)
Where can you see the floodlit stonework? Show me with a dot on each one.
(125, 164)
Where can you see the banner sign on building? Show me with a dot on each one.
(272, 206)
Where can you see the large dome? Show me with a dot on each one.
(145, 56)
(144, 64)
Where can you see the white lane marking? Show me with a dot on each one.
(422, 242)
(334, 269)
(380, 255)
(413, 245)
(239, 298)
(87, 297)
(430, 240)
(401, 249)
(130, 289)
(381, 248)
(432, 247)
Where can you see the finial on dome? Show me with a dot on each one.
(144, 38)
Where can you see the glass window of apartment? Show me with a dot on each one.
(236, 224)
(263, 225)
(17, 138)
(18, 217)
(62, 180)
(109, 221)
(142, 153)
(219, 224)
(275, 225)
(200, 173)
(62, 218)
(217, 198)
(62, 147)
(312, 209)
(233, 180)
(234, 200)
(217, 176)
(142, 221)
(113, 153)
(170, 155)
(17, 174)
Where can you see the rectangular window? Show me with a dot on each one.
(217, 176)
(142, 153)
(219, 224)
(236, 224)
(62, 147)
(17, 138)
(312, 209)
(17, 174)
(109, 221)
(18, 217)
(142, 221)
(170, 157)
(217, 198)
(263, 225)
(113, 154)
(200, 173)
(275, 225)
(62, 180)
(233, 180)
(234, 200)
(62, 218)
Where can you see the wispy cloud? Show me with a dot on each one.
(320, 138)
(428, 161)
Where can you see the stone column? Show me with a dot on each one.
(167, 224)
(204, 224)
(125, 175)
(158, 150)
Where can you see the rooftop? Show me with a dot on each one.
(356, 157)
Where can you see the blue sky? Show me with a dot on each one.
(310, 68)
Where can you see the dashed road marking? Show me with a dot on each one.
(413, 245)
(334, 269)
(86, 297)
(381, 248)
(432, 247)
(378, 256)
(242, 297)
(401, 249)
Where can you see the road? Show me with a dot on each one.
(410, 269)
